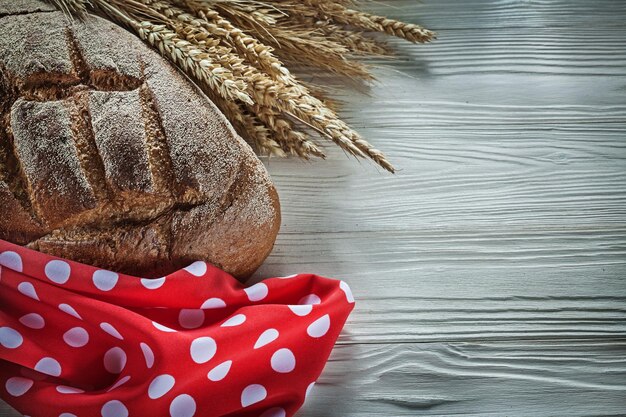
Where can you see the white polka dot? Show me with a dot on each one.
(301, 310)
(283, 361)
(253, 394)
(58, 271)
(235, 320)
(67, 415)
(183, 406)
(119, 383)
(275, 412)
(266, 338)
(147, 354)
(309, 389)
(76, 337)
(160, 386)
(48, 366)
(18, 386)
(114, 408)
(68, 309)
(33, 320)
(191, 318)
(108, 328)
(162, 327)
(220, 371)
(319, 327)
(346, 289)
(28, 290)
(213, 303)
(105, 280)
(11, 260)
(63, 389)
(203, 349)
(257, 292)
(10, 338)
(197, 268)
(115, 360)
(152, 284)
(289, 276)
(311, 299)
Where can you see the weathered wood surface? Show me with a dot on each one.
(490, 272)
(516, 378)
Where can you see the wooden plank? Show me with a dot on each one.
(574, 378)
(525, 177)
(511, 148)
(558, 51)
(496, 14)
(449, 285)
(7, 411)
(517, 148)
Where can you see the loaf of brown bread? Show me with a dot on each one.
(110, 157)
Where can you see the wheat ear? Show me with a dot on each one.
(236, 50)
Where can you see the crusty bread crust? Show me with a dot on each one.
(110, 157)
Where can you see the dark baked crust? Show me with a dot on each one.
(110, 157)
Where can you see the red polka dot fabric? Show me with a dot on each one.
(77, 341)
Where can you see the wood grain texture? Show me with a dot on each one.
(490, 272)
(473, 379)
(473, 285)
(484, 14)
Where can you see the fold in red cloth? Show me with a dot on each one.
(80, 341)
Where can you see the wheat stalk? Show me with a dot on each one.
(294, 142)
(71, 7)
(254, 51)
(200, 64)
(340, 14)
(237, 51)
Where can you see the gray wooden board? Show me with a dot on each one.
(490, 272)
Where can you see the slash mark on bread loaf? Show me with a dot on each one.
(11, 172)
(101, 80)
(17, 8)
(158, 151)
(76, 55)
(90, 160)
